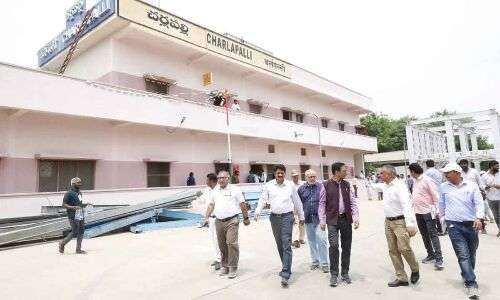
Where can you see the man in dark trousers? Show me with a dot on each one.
(338, 208)
(74, 206)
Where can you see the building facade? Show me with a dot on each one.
(132, 109)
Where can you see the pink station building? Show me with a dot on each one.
(132, 109)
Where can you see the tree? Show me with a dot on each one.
(390, 133)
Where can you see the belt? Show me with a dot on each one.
(395, 218)
(226, 219)
(342, 215)
(283, 214)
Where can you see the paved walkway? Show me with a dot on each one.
(174, 264)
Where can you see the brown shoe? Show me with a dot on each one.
(296, 244)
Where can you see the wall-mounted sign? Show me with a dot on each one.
(207, 78)
(146, 15)
(102, 10)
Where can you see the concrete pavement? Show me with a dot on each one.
(175, 264)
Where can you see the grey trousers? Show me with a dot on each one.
(77, 229)
(495, 208)
(282, 226)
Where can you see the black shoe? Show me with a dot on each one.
(61, 248)
(346, 278)
(334, 281)
(429, 259)
(415, 276)
(217, 265)
(438, 265)
(397, 283)
(81, 252)
(284, 283)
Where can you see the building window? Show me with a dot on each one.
(325, 173)
(299, 118)
(270, 149)
(303, 151)
(324, 123)
(323, 153)
(156, 86)
(255, 108)
(55, 175)
(303, 169)
(221, 167)
(341, 126)
(158, 174)
(287, 115)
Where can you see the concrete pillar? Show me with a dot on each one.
(473, 141)
(495, 133)
(410, 145)
(463, 141)
(450, 141)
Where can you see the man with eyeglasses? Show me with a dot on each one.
(226, 202)
(309, 194)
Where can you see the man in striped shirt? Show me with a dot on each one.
(461, 205)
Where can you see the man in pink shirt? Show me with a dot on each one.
(425, 203)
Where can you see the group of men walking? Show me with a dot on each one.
(314, 206)
(328, 210)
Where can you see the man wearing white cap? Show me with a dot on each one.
(72, 201)
(461, 205)
(299, 231)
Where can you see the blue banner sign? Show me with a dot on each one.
(74, 16)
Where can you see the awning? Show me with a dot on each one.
(159, 79)
(157, 159)
(66, 156)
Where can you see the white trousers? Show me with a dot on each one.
(213, 237)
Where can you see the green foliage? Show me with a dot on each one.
(390, 133)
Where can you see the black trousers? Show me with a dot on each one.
(427, 228)
(344, 229)
(77, 229)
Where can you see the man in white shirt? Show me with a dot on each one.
(282, 196)
(299, 231)
(206, 196)
(226, 202)
(492, 187)
(473, 175)
(400, 225)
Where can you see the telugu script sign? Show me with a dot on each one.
(159, 20)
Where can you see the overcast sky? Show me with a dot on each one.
(410, 57)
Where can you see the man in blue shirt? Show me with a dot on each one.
(461, 205)
(309, 194)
